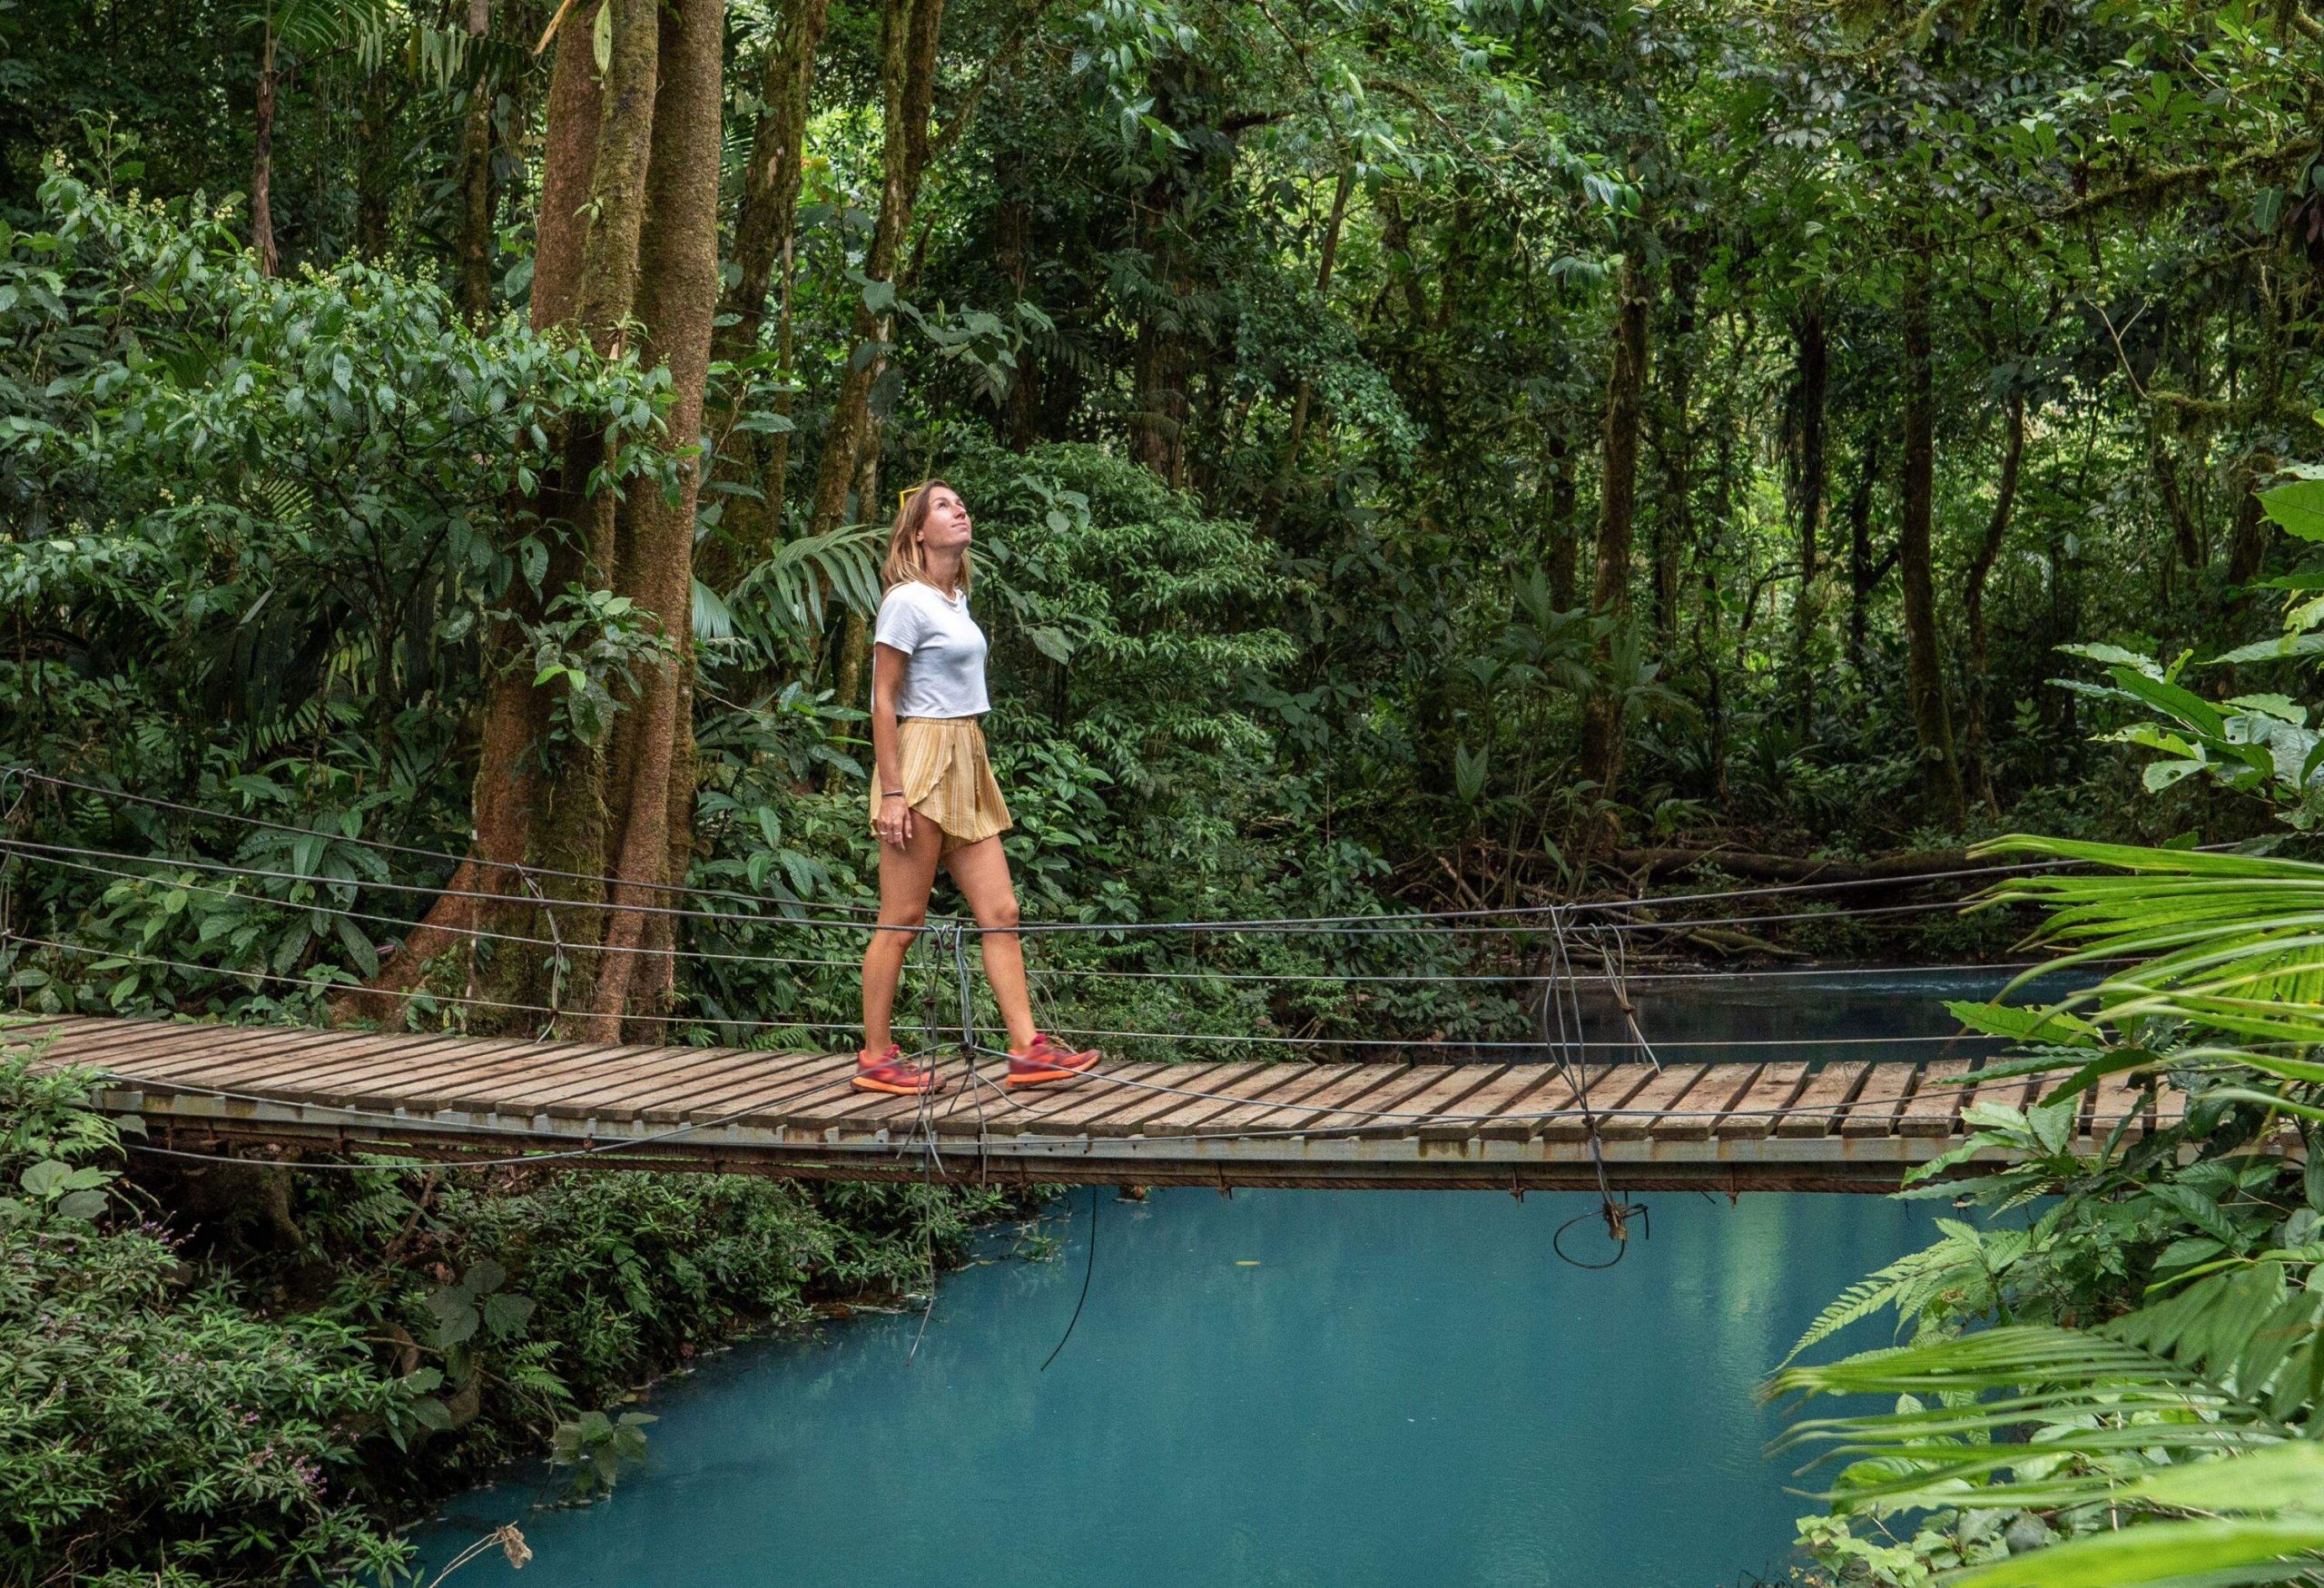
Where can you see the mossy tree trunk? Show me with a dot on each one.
(765, 238)
(627, 257)
(909, 30)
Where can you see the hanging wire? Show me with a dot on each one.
(1912, 879)
(1088, 1271)
(383, 846)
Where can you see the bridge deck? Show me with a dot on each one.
(1782, 1124)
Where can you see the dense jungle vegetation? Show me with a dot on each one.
(1423, 454)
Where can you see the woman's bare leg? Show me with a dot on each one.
(907, 873)
(981, 870)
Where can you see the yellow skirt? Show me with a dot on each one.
(948, 779)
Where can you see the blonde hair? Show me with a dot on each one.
(907, 561)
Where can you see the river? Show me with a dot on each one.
(1287, 1388)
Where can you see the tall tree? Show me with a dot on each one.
(1811, 363)
(581, 835)
(474, 242)
(1976, 733)
(765, 241)
(1923, 660)
(909, 32)
(1626, 379)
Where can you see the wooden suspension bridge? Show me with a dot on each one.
(1784, 1124)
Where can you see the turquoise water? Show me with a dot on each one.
(1296, 1389)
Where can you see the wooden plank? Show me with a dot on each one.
(844, 1104)
(582, 1091)
(771, 1099)
(480, 1073)
(1886, 1090)
(1450, 1095)
(1306, 1081)
(1228, 1082)
(1266, 1081)
(1642, 1107)
(1935, 1106)
(71, 1035)
(1713, 1098)
(774, 1102)
(1391, 1098)
(170, 1044)
(1604, 1093)
(2115, 1100)
(1025, 1108)
(371, 1085)
(428, 1081)
(521, 1087)
(1530, 1115)
(157, 1045)
(276, 1060)
(2169, 1108)
(602, 1096)
(965, 1091)
(1491, 1104)
(1817, 1108)
(24, 1030)
(356, 1054)
(1350, 1083)
(1753, 1117)
(1098, 1098)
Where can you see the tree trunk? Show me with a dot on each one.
(2186, 534)
(1814, 369)
(606, 291)
(1560, 536)
(474, 247)
(1864, 574)
(1973, 603)
(1602, 721)
(1924, 664)
(678, 299)
(510, 790)
(1331, 229)
(617, 816)
(909, 30)
(765, 230)
(270, 261)
(1674, 519)
(375, 167)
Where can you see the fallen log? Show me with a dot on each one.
(1662, 864)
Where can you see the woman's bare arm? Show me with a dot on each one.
(894, 823)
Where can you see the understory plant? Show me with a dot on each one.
(244, 1373)
(2120, 1383)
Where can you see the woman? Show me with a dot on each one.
(936, 798)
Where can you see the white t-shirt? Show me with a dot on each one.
(945, 674)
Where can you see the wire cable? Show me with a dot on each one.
(383, 846)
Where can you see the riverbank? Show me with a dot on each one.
(246, 1375)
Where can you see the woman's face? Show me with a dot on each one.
(946, 527)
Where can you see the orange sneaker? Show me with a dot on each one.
(1044, 1062)
(895, 1074)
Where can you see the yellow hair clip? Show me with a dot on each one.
(904, 495)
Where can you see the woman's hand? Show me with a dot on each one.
(894, 822)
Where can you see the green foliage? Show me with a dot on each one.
(157, 1429)
(171, 1418)
(2158, 1330)
(595, 1445)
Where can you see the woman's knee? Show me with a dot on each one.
(896, 923)
(1001, 916)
